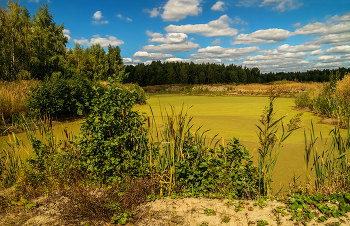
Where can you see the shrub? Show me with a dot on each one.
(111, 137)
(56, 96)
(226, 170)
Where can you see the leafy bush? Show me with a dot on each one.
(227, 170)
(112, 138)
(56, 96)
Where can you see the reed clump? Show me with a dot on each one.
(12, 98)
(332, 100)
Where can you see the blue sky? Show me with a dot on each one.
(273, 35)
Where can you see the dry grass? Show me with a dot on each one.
(12, 98)
(287, 88)
(343, 87)
(293, 87)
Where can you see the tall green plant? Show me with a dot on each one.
(271, 143)
(331, 163)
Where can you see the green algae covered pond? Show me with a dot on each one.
(237, 117)
(231, 117)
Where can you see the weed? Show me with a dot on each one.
(261, 203)
(225, 219)
(204, 223)
(209, 212)
(262, 223)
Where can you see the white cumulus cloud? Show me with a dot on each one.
(175, 10)
(272, 60)
(281, 5)
(219, 27)
(152, 56)
(334, 39)
(172, 47)
(104, 42)
(218, 6)
(220, 52)
(169, 38)
(152, 13)
(338, 50)
(273, 35)
(323, 29)
(298, 48)
(66, 34)
(97, 18)
(345, 17)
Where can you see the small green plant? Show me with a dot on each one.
(261, 203)
(151, 197)
(122, 218)
(209, 212)
(280, 209)
(204, 223)
(225, 219)
(239, 206)
(262, 222)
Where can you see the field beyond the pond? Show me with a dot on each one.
(237, 116)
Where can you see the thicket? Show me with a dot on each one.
(332, 100)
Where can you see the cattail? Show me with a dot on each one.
(202, 152)
(44, 120)
(179, 120)
(149, 123)
(65, 131)
(123, 114)
(172, 127)
(140, 130)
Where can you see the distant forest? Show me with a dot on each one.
(158, 73)
(35, 48)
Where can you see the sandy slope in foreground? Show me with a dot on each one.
(191, 211)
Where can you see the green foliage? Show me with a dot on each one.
(57, 96)
(262, 222)
(209, 212)
(10, 162)
(261, 203)
(112, 138)
(225, 169)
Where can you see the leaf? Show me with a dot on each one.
(311, 215)
(203, 164)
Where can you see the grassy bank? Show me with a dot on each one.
(330, 100)
(283, 88)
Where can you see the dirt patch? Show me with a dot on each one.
(166, 211)
(191, 211)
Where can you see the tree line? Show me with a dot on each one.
(35, 48)
(159, 73)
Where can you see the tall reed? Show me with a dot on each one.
(330, 162)
(12, 98)
(171, 142)
(271, 143)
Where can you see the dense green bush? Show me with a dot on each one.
(112, 139)
(57, 96)
(227, 169)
